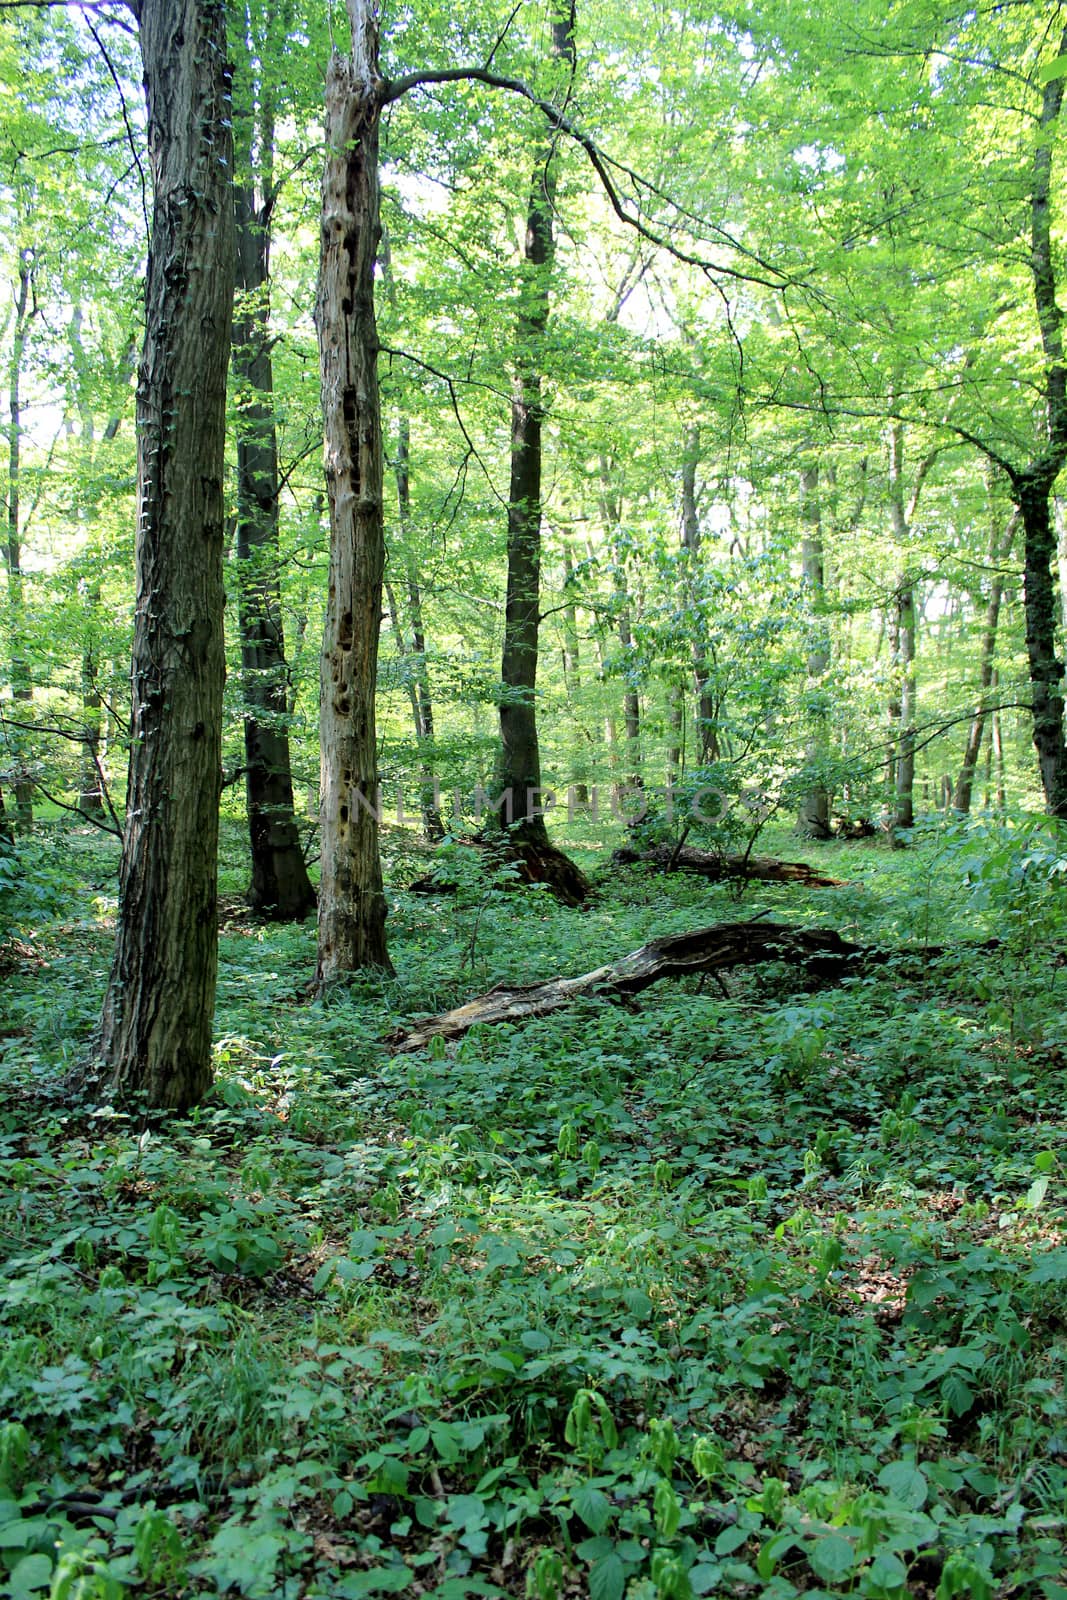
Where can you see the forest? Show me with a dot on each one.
(533, 790)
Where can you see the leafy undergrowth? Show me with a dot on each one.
(758, 1293)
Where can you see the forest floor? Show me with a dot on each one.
(755, 1293)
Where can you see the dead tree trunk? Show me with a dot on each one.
(823, 954)
(352, 906)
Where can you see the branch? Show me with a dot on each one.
(450, 382)
(126, 122)
(75, 5)
(390, 90)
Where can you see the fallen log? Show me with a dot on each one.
(534, 863)
(710, 864)
(713, 949)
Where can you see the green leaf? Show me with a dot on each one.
(607, 1579)
(637, 1301)
(957, 1394)
(1037, 1192)
(593, 1506)
(26, 1530)
(1052, 69)
(380, 1580)
(832, 1558)
(32, 1574)
(888, 1570)
(731, 1539)
(705, 1577)
(1051, 1268)
(905, 1483)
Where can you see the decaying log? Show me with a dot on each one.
(715, 949)
(710, 864)
(535, 863)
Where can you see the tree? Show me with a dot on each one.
(280, 889)
(352, 906)
(519, 765)
(155, 1038)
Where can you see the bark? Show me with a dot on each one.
(1032, 485)
(280, 889)
(156, 1028)
(1032, 492)
(999, 552)
(519, 761)
(352, 905)
(821, 952)
(1060, 515)
(720, 868)
(813, 820)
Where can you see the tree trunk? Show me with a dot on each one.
(904, 784)
(813, 820)
(999, 551)
(707, 707)
(281, 889)
(352, 905)
(903, 628)
(156, 1028)
(519, 762)
(572, 676)
(413, 653)
(631, 699)
(1032, 485)
(1032, 489)
(997, 753)
(611, 512)
(21, 686)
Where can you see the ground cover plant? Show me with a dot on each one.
(745, 1292)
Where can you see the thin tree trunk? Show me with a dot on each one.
(352, 904)
(902, 512)
(892, 632)
(997, 751)
(413, 655)
(519, 763)
(999, 552)
(21, 686)
(280, 889)
(707, 707)
(813, 820)
(572, 673)
(611, 509)
(904, 786)
(156, 1028)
